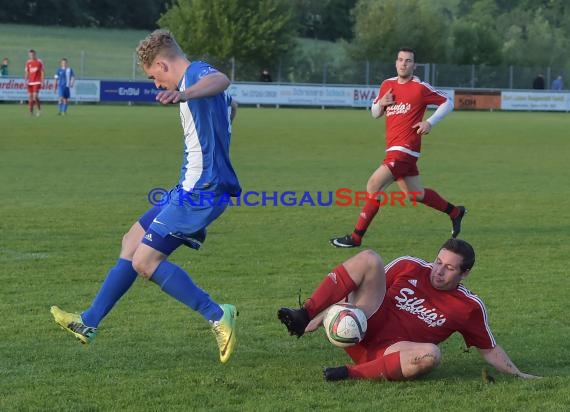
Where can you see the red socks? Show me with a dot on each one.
(434, 200)
(368, 212)
(371, 207)
(385, 367)
(333, 288)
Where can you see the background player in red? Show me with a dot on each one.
(34, 77)
(404, 99)
(411, 306)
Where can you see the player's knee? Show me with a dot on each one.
(436, 355)
(429, 357)
(143, 267)
(373, 184)
(372, 260)
(129, 245)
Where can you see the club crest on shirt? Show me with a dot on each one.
(407, 302)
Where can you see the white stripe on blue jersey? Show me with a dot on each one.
(64, 77)
(207, 134)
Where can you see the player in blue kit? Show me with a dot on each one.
(205, 111)
(64, 80)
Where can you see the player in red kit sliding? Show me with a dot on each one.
(403, 100)
(34, 77)
(411, 306)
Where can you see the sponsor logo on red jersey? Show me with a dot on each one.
(399, 108)
(407, 302)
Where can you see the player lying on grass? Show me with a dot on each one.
(411, 306)
(205, 114)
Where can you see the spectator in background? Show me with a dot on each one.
(34, 78)
(557, 84)
(265, 76)
(538, 82)
(4, 67)
(64, 80)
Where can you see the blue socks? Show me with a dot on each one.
(176, 282)
(118, 281)
(172, 280)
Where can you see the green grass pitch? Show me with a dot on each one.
(71, 186)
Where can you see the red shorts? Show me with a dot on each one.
(375, 344)
(401, 164)
(34, 88)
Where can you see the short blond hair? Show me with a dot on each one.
(159, 42)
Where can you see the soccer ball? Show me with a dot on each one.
(345, 324)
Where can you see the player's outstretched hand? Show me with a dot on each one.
(169, 97)
(523, 375)
(315, 322)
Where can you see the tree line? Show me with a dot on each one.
(483, 32)
(134, 14)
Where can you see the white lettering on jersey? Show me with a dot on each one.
(415, 307)
(400, 108)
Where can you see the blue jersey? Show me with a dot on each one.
(63, 77)
(207, 133)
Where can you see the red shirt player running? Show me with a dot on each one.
(34, 77)
(403, 99)
(411, 306)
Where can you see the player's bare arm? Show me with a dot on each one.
(207, 86)
(498, 358)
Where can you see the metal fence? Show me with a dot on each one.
(317, 69)
(439, 75)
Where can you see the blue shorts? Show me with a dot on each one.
(179, 222)
(63, 92)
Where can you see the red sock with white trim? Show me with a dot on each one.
(366, 216)
(335, 286)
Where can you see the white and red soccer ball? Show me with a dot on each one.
(345, 324)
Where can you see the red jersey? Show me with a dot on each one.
(413, 310)
(34, 70)
(411, 100)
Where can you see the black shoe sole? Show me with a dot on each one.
(286, 317)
